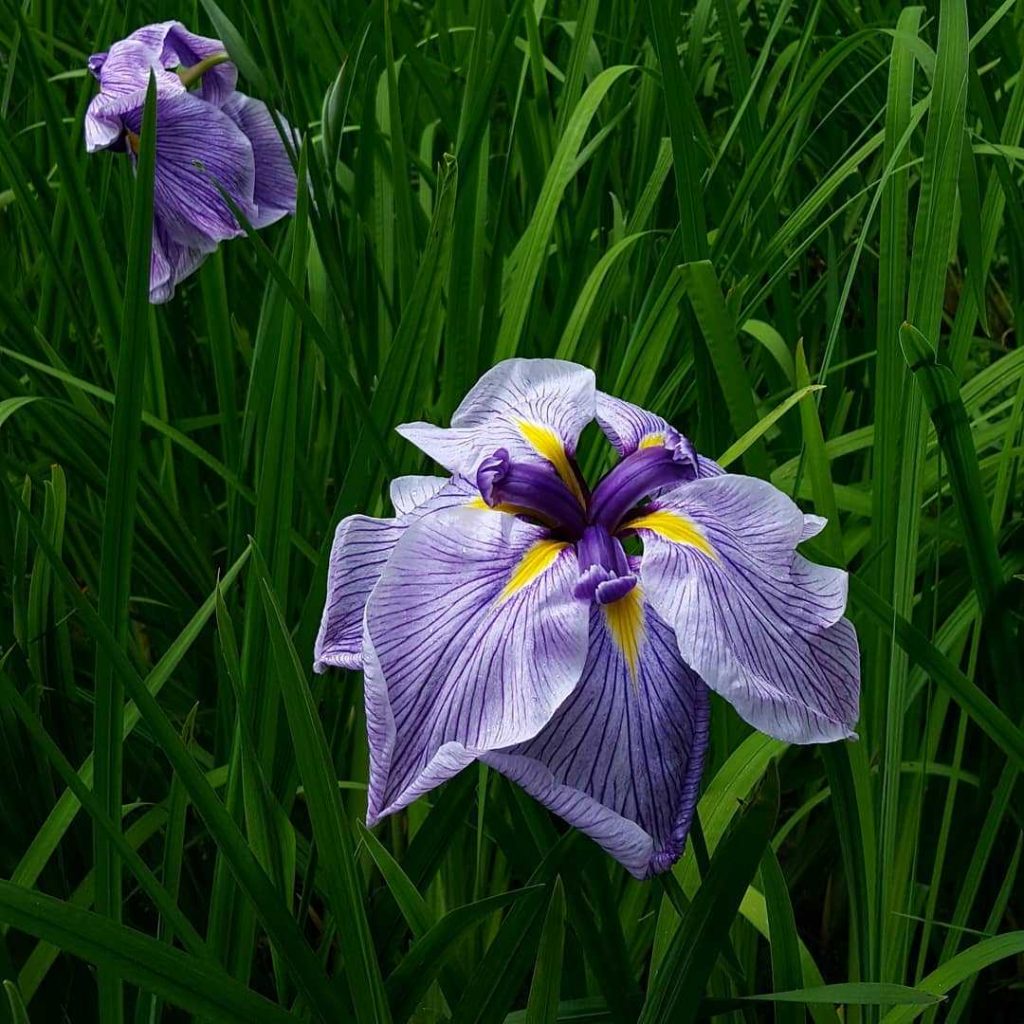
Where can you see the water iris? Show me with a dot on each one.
(499, 617)
(210, 138)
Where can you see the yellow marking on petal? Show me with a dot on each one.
(538, 559)
(652, 441)
(674, 527)
(625, 619)
(549, 445)
(502, 506)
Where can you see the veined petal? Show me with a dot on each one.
(124, 77)
(409, 492)
(274, 192)
(126, 67)
(759, 623)
(622, 758)
(198, 145)
(173, 46)
(533, 408)
(170, 263)
(362, 545)
(473, 639)
(630, 428)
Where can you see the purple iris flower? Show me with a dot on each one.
(505, 615)
(208, 135)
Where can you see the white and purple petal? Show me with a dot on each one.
(473, 639)
(408, 493)
(630, 427)
(622, 758)
(274, 191)
(760, 624)
(362, 545)
(532, 408)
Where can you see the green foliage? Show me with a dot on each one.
(729, 211)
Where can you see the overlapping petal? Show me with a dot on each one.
(408, 493)
(170, 45)
(630, 428)
(124, 77)
(532, 408)
(170, 262)
(622, 758)
(760, 624)
(198, 148)
(274, 190)
(472, 641)
(362, 545)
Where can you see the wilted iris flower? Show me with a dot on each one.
(506, 613)
(208, 135)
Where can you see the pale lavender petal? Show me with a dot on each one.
(628, 426)
(274, 193)
(813, 525)
(515, 405)
(622, 758)
(409, 492)
(362, 545)
(173, 46)
(170, 263)
(124, 77)
(760, 624)
(125, 70)
(197, 148)
(459, 659)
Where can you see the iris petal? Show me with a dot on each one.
(630, 428)
(171, 45)
(458, 664)
(198, 147)
(760, 624)
(533, 408)
(409, 492)
(169, 264)
(362, 545)
(274, 191)
(622, 758)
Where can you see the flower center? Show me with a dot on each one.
(536, 490)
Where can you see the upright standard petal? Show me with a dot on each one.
(622, 758)
(362, 545)
(274, 192)
(198, 147)
(532, 408)
(472, 641)
(173, 46)
(630, 428)
(760, 624)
